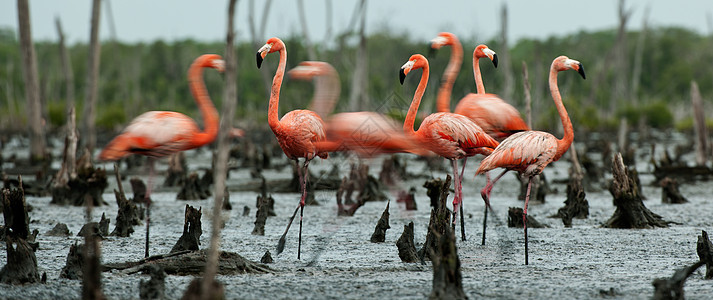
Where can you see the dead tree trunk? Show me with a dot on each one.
(263, 207)
(89, 135)
(630, 210)
(700, 121)
(177, 170)
(128, 214)
(190, 239)
(32, 88)
(670, 192)
(379, 235)
(21, 264)
(358, 96)
(447, 278)
(704, 248)
(440, 222)
(576, 205)
(672, 288)
(528, 97)
(406, 246)
(154, 288)
(73, 268)
(88, 185)
(311, 55)
(508, 85)
(67, 72)
(68, 171)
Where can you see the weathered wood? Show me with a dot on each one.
(74, 267)
(177, 171)
(21, 264)
(138, 187)
(630, 210)
(672, 288)
(60, 229)
(670, 192)
(197, 290)
(576, 204)
(447, 278)
(193, 189)
(515, 219)
(263, 207)
(704, 248)
(699, 118)
(440, 221)
(192, 231)
(100, 229)
(88, 185)
(379, 235)
(67, 73)
(192, 263)
(406, 246)
(408, 198)
(155, 287)
(127, 216)
(89, 135)
(266, 258)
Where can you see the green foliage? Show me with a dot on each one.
(110, 116)
(56, 112)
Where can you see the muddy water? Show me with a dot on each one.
(338, 261)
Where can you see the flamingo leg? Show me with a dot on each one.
(485, 193)
(147, 199)
(524, 214)
(456, 196)
(304, 176)
(462, 221)
(281, 242)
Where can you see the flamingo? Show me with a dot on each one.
(448, 135)
(529, 152)
(161, 133)
(297, 131)
(366, 133)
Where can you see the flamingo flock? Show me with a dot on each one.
(481, 123)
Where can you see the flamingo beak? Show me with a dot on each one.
(261, 53)
(258, 58)
(495, 60)
(402, 76)
(219, 65)
(580, 70)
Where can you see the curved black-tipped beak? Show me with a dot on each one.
(495, 60)
(402, 76)
(259, 60)
(581, 71)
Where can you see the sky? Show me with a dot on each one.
(205, 20)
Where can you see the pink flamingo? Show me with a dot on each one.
(161, 133)
(297, 131)
(449, 135)
(366, 133)
(529, 152)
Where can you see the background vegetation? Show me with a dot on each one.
(139, 77)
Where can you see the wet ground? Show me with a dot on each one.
(338, 261)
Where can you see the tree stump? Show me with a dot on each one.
(73, 268)
(433, 190)
(177, 170)
(440, 222)
(226, 200)
(195, 292)
(540, 188)
(139, 189)
(406, 246)
(88, 185)
(267, 198)
(192, 189)
(155, 287)
(630, 210)
(100, 229)
(575, 206)
(379, 235)
(60, 229)
(447, 278)
(21, 264)
(192, 231)
(408, 198)
(515, 219)
(672, 288)
(184, 263)
(670, 192)
(393, 171)
(263, 207)
(266, 258)
(127, 216)
(705, 253)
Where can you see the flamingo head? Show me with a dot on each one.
(417, 61)
(482, 51)
(564, 63)
(210, 61)
(443, 39)
(307, 70)
(272, 45)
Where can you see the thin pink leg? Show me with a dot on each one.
(456, 196)
(147, 198)
(485, 193)
(524, 214)
(303, 177)
(460, 183)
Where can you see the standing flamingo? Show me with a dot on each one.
(297, 131)
(365, 133)
(161, 133)
(529, 152)
(443, 100)
(449, 135)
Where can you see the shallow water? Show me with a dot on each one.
(338, 261)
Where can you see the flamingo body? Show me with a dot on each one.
(528, 152)
(298, 132)
(497, 118)
(453, 136)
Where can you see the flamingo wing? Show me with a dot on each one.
(494, 115)
(154, 133)
(527, 151)
(454, 136)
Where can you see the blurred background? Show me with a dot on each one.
(641, 57)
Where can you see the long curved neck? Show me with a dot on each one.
(272, 118)
(480, 88)
(326, 93)
(443, 102)
(411, 115)
(566, 141)
(208, 111)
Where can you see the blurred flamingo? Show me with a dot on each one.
(297, 131)
(161, 133)
(365, 133)
(529, 152)
(449, 135)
